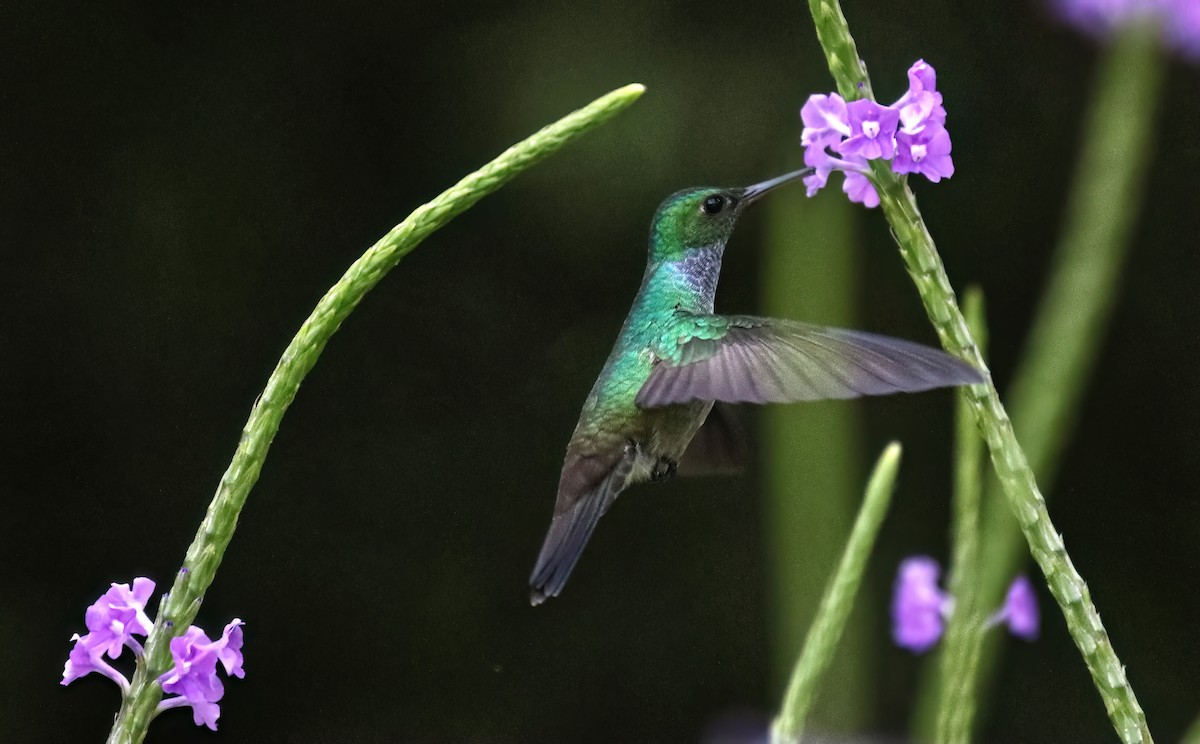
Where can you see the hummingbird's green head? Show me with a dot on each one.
(704, 217)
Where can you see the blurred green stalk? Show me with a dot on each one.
(1192, 735)
(1008, 459)
(948, 691)
(837, 601)
(179, 607)
(1068, 331)
(811, 452)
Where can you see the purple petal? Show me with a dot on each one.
(230, 653)
(1183, 28)
(1021, 610)
(873, 129)
(922, 77)
(142, 589)
(86, 657)
(206, 714)
(918, 605)
(927, 153)
(860, 189)
(825, 121)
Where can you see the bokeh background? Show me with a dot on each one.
(179, 186)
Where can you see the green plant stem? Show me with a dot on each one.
(964, 632)
(836, 603)
(1192, 735)
(1008, 459)
(1105, 199)
(811, 456)
(179, 607)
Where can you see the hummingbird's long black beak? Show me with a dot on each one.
(753, 193)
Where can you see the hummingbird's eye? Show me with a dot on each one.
(713, 204)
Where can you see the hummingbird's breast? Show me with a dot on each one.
(610, 412)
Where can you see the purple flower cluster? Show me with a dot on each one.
(1177, 21)
(119, 615)
(920, 607)
(911, 133)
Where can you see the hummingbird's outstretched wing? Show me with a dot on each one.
(744, 359)
(589, 485)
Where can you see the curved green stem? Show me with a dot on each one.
(1008, 459)
(179, 607)
(836, 603)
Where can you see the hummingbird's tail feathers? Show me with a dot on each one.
(764, 360)
(719, 446)
(588, 487)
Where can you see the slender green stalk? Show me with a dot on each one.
(964, 632)
(836, 603)
(946, 698)
(179, 607)
(1105, 199)
(810, 454)
(1008, 459)
(1192, 735)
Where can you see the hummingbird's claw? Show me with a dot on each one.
(664, 470)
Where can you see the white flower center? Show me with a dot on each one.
(918, 153)
(871, 129)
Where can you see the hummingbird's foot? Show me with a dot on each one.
(663, 470)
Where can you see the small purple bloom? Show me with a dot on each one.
(112, 622)
(1183, 32)
(911, 133)
(919, 607)
(1177, 21)
(194, 676)
(825, 121)
(87, 656)
(118, 615)
(872, 130)
(921, 105)
(860, 190)
(1020, 612)
(815, 157)
(922, 76)
(927, 152)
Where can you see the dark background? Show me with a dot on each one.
(178, 188)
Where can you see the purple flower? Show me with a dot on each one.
(872, 130)
(1183, 32)
(1020, 611)
(825, 121)
(121, 614)
(112, 621)
(1177, 21)
(118, 615)
(926, 152)
(860, 190)
(919, 607)
(911, 133)
(86, 657)
(194, 676)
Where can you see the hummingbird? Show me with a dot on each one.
(651, 410)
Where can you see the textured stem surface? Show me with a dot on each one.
(964, 632)
(179, 607)
(1105, 198)
(924, 265)
(836, 603)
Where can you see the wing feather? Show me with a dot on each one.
(760, 360)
